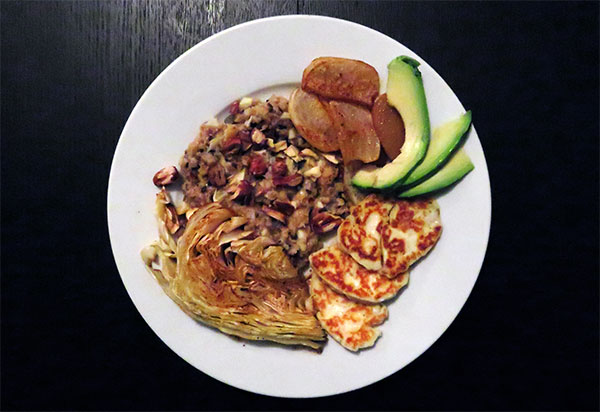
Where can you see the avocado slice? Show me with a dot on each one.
(458, 166)
(444, 140)
(405, 92)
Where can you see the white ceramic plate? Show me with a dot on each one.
(255, 59)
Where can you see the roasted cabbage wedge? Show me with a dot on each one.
(230, 279)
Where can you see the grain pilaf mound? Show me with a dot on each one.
(257, 164)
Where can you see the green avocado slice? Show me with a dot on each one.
(444, 141)
(405, 92)
(458, 166)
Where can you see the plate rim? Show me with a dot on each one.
(118, 151)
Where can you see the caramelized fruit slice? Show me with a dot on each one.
(389, 126)
(342, 79)
(312, 120)
(356, 135)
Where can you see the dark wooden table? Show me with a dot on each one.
(72, 72)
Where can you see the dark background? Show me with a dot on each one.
(73, 71)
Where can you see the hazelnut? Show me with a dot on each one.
(284, 207)
(245, 138)
(258, 165)
(279, 167)
(241, 140)
(234, 107)
(232, 145)
(274, 214)
(323, 222)
(165, 176)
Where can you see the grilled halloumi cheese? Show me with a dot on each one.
(350, 323)
(359, 235)
(341, 272)
(413, 228)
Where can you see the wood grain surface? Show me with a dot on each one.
(72, 72)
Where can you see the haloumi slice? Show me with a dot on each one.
(350, 323)
(414, 227)
(359, 235)
(341, 272)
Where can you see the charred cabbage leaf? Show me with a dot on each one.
(230, 279)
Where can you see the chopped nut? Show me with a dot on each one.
(245, 138)
(313, 172)
(277, 147)
(331, 158)
(232, 145)
(163, 197)
(244, 103)
(292, 134)
(292, 152)
(258, 137)
(262, 187)
(290, 181)
(302, 236)
(236, 178)
(165, 176)
(243, 191)
(309, 153)
(284, 207)
(323, 222)
(291, 166)
(172, 221)
(239, 141)
(252, 121)
(274, 214)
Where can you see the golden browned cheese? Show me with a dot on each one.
(356, 135)
(313, 121)
(389, 235)
(350, 323)
(340, 272)
(342, 79)
(359, 234)
(414, 228)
